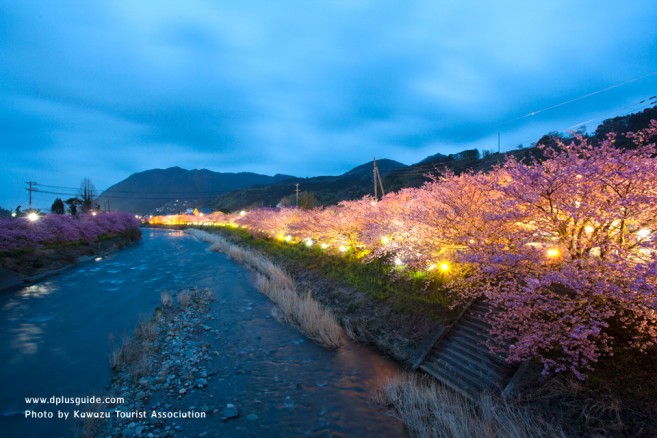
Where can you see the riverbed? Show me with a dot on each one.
(56, 337)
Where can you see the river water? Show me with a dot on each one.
(56, 337)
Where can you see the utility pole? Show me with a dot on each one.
(297, 191)
(376, 176)
(31, 189)
(374, 170)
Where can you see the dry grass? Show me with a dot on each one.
(430, 410)
(134, 354)
(184, 298)
(300, 310)
(165, 298)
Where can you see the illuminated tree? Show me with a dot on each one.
(574, 274)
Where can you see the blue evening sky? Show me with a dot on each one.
(103, 89)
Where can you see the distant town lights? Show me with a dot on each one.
(33, 217)
(242, 213)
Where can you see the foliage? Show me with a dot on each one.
(21, 233)
(562, 247)
(57, 207)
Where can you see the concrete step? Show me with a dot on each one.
(479, 351)
(472, 334)
(450, 379)
(477, 322)
(485, 361)
(466, 369)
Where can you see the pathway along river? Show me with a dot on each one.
(55, 341)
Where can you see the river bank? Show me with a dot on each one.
(33, 265)
(395, 332)
(613, 400)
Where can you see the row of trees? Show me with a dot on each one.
(85, 202)
(564, 247)
(22, 233)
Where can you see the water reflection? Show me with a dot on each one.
(27, 338)
(38, 290)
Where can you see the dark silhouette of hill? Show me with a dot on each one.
(325, 190)
(175, 189)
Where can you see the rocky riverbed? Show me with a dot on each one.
(162, 374)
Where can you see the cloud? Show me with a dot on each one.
(121, 86)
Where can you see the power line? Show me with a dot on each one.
(620, 84)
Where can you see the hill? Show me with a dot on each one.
(174, 189)
(322, 190)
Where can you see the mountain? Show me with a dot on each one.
(173, 190)
(322, 190)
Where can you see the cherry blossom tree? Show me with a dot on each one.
(574, 274)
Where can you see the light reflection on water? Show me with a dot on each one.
(38, 290)
(27, 338)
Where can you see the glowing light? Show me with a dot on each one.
(136, 216)
(552, 253)
(399, 262)
(324, 245)
(472, 241)
(280, 237)
(13, 214)
(643, 233)
(97, 259)
(589, 229)
(93, 213)
(342, 248)
(385, 240)
(33, 217)
(309, 242)
(242, 213)
(372, 202)
(288, 238)
(432, 267)
(444, 266)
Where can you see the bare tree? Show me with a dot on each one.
(87, 195)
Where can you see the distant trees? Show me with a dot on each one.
(73, 206)
(52, 229)
(57, 207)
(87, 196)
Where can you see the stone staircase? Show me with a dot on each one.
(459, 358)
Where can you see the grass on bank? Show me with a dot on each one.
(295, 308)
(430, 410)
(405, 290)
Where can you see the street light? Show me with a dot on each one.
(33, 216)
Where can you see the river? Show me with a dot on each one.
(56, 337)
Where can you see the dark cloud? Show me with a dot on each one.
(104, 89)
